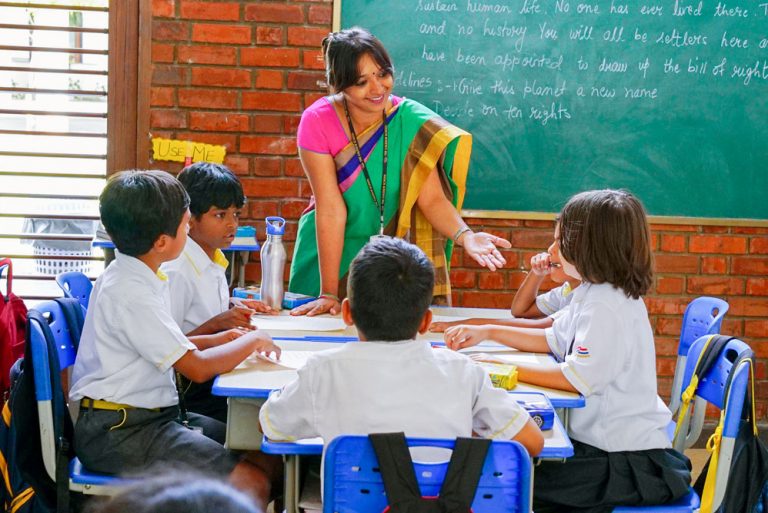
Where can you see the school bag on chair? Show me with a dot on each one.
(13, 322)
(23, 405)
(748, 477)
(403, 493)
(748, 471)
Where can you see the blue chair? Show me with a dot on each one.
(703, 316)
(711, 389)
(76, 285)
(80, 479)
(353, 483)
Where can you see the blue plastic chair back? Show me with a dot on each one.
(76, 285)
(703, 316)
(712, 384)
(353, 484)
(65, 346)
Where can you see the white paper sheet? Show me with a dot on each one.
(297, 323)
(288, 359)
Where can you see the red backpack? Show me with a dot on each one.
(13, 323)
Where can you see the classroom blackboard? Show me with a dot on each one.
(668, 99)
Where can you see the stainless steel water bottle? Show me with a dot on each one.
(273, 264)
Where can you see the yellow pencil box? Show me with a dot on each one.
(503, 375)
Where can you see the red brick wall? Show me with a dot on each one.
(239, 73)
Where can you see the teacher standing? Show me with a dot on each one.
(378, 165)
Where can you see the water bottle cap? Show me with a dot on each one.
(275, 225)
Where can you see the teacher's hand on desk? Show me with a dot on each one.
(321, 305)
(483, 248)
(461, 336)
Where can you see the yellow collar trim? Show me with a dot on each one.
(220, 259)
(160, 274)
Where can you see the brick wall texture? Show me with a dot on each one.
(239, 73)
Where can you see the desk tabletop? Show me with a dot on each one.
(255, 379)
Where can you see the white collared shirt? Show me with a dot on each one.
(605, 343)
(130, 342)
(552, 301)
(199, 289)
(369, 387)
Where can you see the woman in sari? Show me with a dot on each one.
(379, 165)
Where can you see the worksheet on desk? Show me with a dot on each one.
(297, 323)
(288, 359)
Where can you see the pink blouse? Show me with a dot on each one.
(321, 130)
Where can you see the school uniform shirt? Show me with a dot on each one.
(370, 387)
(554, 300)
(605, 344)
(198, 286)
(130, 341)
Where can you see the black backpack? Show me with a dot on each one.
(403, 493)
(24, 414)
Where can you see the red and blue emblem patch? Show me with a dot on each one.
(582, 352)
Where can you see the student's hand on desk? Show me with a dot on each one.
(229, 335)
(235, 317)
(319, 306)
(483, 248)
(439, 327)
(461, 336)
(257, 306)
(263, 344)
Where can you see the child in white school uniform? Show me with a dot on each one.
(200, 299)
(605, 344)
(388, 381)
(529, 308)
(123, 375)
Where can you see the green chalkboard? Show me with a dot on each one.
(666, 98)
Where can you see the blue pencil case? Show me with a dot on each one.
(290, 299)
(540, 412)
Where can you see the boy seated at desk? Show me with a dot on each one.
(199, 292)
(123, 375)
(388, 381)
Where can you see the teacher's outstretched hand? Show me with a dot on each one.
(484, 248)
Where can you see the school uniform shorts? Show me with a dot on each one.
(128, 441)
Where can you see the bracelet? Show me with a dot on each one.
(461, 231)
(329, 296)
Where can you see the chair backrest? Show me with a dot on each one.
(76, 285)
(703, 316)
(711, 388)
(43, 361)
(352, 481)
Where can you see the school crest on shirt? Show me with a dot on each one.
(582, 352)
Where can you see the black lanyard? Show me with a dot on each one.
(380, 206)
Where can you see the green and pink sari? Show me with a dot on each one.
(419, 141)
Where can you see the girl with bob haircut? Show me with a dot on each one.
(379, 165)
(622, 453)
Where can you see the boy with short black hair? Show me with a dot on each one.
(200, 300)
(389, 381)
(124, 372)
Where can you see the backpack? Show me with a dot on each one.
(13, 323)
(24, 414)
(747, 487)
(403, 493)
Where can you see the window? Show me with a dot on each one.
(53, 138)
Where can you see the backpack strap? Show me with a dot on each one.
(464, 469)
(396, 468)
(746, 357)
(707, 358)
